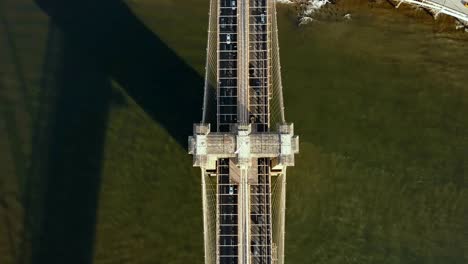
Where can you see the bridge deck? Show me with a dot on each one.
(228, 215)
(239, 48)
(242, 160)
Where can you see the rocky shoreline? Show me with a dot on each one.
(335, 10)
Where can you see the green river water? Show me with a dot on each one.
(97, 104)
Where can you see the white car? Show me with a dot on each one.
(262, 18)
(231, 190)
(256, 251)
(228, 39)
(233, 5)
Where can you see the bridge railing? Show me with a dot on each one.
(438, 8)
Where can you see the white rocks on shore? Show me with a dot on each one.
(305, 20)
(285, 1)
(314, 5)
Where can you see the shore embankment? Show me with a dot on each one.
(326, 10)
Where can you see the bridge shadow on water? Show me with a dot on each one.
(99, 41)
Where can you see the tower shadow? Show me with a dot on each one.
(99, 41)
(165, 86)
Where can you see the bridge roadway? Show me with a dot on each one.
(453, 8)
(244, 159)
(244, 222)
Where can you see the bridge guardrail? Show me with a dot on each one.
(439, 8)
